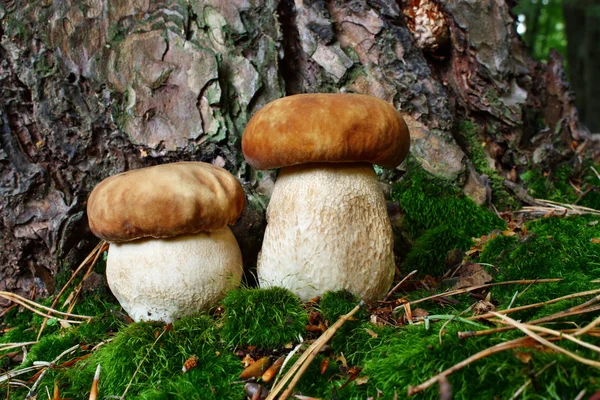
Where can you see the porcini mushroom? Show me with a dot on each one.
(327, 224)
(171, 252)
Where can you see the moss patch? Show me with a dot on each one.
(266, 318)
(558, 184)
(473, 146)
(431, 202)
(439, 218)
(551, 248)
(364, 359)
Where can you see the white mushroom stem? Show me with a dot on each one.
(166, 279)
(328, 229)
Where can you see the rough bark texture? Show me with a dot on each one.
(90, 88)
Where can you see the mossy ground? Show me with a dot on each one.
(438, 218)
(365, 359)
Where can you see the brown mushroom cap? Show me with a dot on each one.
(164, 201)
(333, 128)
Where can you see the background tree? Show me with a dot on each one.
(89, 89)
(583, 53)
(571, 28)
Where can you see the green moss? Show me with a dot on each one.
(556, 185)
(473, 145)
(414, 354)
(160, 360)
(440, 218)
(552, 248)
(430, 202)
(335, 304)
(429, 252)
(267, 318)
(393, 357)
(50, 346)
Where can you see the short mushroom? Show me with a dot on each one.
(171, 253)
(327, 222)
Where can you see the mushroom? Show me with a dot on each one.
(327, 222)
(171, 253)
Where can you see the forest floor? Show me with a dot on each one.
(502, 305)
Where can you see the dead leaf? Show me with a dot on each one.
(248, 360)
(472, 274)
(595, 240)
(523, 356)
(342, 359)
(508, 233)
(324, 365)
(483, 307)
(353, 372)
(408, 313)
(362, 380)
(419, 313)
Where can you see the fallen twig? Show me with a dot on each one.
(93, 254)
(296, 371)
(588, 327)
(31, 306)
(11, 374)
(473, 288)
(393, 290)
(540, 304)
(562, 314)
(8, 346)
(548, 207)
(285, 361)
(511, 344)
(526, 384)
(561, 334)
(523, 328)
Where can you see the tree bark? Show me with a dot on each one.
(582, 20)
(92, 88)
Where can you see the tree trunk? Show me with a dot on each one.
(582, 20)
(93, 88)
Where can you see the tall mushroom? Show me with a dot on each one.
(327, 223)
(171, 252)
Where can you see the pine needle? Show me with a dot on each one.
(34, 307)
(167, 327)
(99, 249)
(511, 344)
(535, 305)
(94, 390)
(473, 288)
(530, 381)
(548, 208)
(529, 332)
(300, 366)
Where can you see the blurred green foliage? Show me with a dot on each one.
(541, 25)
